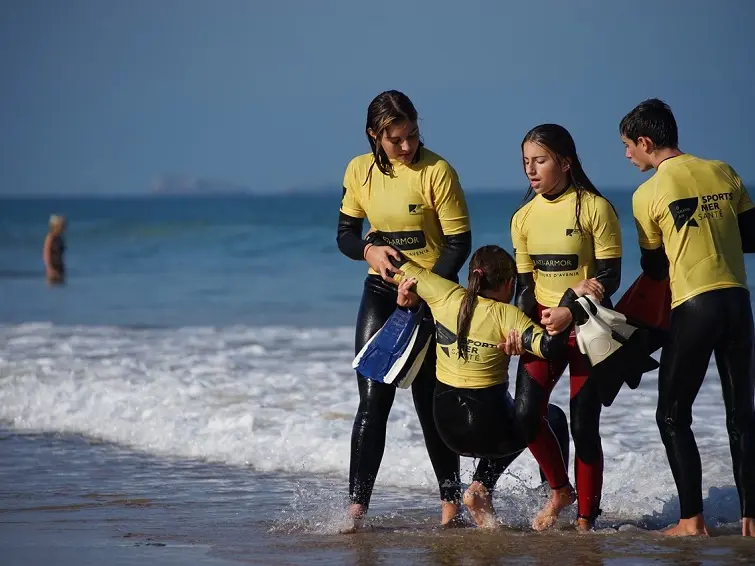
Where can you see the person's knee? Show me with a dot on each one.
(672, 423)
(586, 437)
(557, 419)
(375, 401)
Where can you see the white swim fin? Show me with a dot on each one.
(618, 351)
(615, 320)
(595, 337)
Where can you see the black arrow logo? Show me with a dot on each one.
(682, 211)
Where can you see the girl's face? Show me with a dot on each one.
(545, 174)
(400, 141)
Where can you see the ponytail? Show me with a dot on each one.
(465, 311)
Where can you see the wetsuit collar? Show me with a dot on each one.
(560, 197)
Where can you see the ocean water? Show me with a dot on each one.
(191, 384)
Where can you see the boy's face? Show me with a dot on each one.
(637, 153)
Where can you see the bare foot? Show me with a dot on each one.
(560, 499)
(479, 501)
(694, 526)
(450, 517)
(356, 516)
(748, 527)
(584, 525)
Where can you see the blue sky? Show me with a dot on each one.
(104, 97)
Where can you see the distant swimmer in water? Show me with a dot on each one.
(476, 332)
(53, 250)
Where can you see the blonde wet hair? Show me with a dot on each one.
(57, 221)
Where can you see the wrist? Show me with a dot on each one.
(366, 247)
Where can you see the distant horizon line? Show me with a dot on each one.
(239, 193)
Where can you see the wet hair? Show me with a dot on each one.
(387, 108)
(56, 221)
(490, 267)
(557, 141)
(651, 119)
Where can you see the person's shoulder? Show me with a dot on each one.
(361, 162)
(433, 161)
(522, 212)
(648, 186)
(722, 167)
(598, 204)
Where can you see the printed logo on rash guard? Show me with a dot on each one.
(555, 262)
(447, 339)
(682, 211)
(410, 240)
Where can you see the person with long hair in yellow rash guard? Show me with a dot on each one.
(565, 234)
(414, 197)
(474, 412)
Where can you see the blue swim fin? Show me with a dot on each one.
(394, 351)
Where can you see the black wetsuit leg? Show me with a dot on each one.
(718, 321)
(482, 423)
(376, 399)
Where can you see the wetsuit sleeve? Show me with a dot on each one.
(534, 338)
(654, 263)
(608, 272)
(351, 217)
(449, 200)
(606, 233)
(455, 251)
(524, 297)
(432, 288)
(653, 258)
(747, 230)
(349, 236)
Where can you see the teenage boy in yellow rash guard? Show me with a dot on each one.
(414, 196)
(694, 221)
(474, 412)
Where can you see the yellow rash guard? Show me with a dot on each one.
(690, 206)
(491, 321)
(413, 208)
(548, 244)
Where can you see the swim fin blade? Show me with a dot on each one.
(617, 350)
(392, 351)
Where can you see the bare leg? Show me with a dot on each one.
(694, 526)
(356, 517)
(560, 499)
(479, 501)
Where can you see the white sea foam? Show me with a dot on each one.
(284, 399)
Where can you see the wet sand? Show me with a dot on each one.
(69, 501)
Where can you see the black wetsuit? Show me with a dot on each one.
(717, 322)
(482, 423)
(694, 220)
(376, 399)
